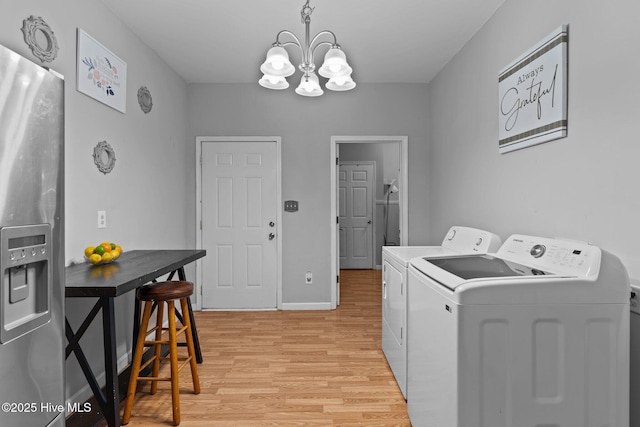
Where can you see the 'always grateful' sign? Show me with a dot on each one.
(532, 102)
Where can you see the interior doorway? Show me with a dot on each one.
(400, 143)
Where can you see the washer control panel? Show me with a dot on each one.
(538, 250)
(555, 255)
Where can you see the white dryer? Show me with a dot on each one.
(395, 262)
(534, 335)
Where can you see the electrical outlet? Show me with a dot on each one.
(308, 278)
(102, 219)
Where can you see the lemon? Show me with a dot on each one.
(95, 258)
(88, 251)
(108, 256)
(115, 253)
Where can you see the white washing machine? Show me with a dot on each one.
(634, 391)
(395, 262)
(534, 335)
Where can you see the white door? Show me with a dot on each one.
(239, 232)
(355, 211)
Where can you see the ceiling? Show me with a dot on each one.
(225, 41)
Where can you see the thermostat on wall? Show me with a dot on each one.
(291, 206)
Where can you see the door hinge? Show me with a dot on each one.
(338, 279)
(200, 224)
(337, 220)
(337, 160)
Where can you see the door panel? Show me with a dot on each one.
(355, 207)
(239, 204)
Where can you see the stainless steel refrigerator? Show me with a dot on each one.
(32, 337)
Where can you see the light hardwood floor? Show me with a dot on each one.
(289, 368)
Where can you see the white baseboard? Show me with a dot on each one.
(306, 306)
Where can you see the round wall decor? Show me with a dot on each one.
(144, 99)
(34, 28)
(104, 157)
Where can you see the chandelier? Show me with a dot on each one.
(277, 66)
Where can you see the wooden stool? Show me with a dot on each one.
(160, 293)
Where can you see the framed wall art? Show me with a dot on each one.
(532, 101)
(101, 74)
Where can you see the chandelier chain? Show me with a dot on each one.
(306, 12)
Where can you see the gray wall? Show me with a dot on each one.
(582, 187)
(145, 192)
(306, 126)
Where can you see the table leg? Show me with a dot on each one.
(112, 391)
(136, 325)
(74, 347)
(194, 331)
(109, 401)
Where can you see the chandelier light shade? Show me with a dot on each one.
(273, 82)
(309, 86)
(335, 64)
(277, 66)
(341, 83)
(277, 63)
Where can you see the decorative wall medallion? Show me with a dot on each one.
(104, 157)
(35, 28)
(144, 99)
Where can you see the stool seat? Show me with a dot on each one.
(165, 291)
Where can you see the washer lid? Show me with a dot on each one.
(453, 271)
(483, 266)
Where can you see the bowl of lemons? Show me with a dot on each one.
(104, 253)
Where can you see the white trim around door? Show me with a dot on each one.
(403, 142)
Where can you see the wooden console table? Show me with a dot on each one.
(106, 282)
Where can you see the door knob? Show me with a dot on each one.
(272, 224)
(369, 222)
(271, 236)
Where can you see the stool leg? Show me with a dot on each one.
(173, 350)
(135, 364)
(190, 346)
(157, 346)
